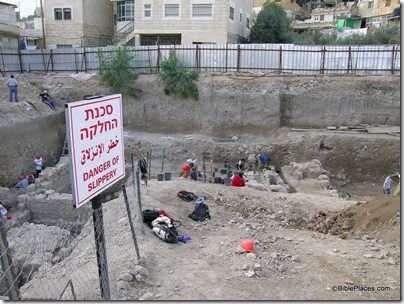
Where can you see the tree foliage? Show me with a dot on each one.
(178, 79)
(272, 25)
(116, 72)
(386, 34)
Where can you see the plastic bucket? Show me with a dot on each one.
(167, 175)
(160, 176)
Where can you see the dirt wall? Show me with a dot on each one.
(229, 105)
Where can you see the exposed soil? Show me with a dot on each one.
(298, 255)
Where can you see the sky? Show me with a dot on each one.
(25, 7)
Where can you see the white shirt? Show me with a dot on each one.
(38, 163)
(11, 82)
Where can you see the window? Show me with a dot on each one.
(172, 10)
(147, 10)
(58, 14)
(126, 10)
(321, 17)
(248, 23)
(388, 2)
(201, 10)
(67, 13)
(370, 4)
(63, 13)
(231, 13)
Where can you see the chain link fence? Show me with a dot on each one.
(74, 260)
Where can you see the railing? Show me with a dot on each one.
(125, 31)
(271, 59)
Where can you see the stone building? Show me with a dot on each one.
(75, 23)
(9, 30)
(184, 22)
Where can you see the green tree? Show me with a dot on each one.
(272, 25)
(115, 71)
(178, 79)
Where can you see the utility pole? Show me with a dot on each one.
(43, 27)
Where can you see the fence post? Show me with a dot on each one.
(6, 263)
(322, 63)
(51, 59)
(149, 161)
(280, 59)
(20, 60)
(158, 58)
(98, 222)
(227, 50)
(197, 57)
(238, 57)
(132, 229)
(349, 67)
(393, 59)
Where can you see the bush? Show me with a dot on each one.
(116, 72)
(178, 79)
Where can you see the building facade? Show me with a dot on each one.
(185, 21)
(77, 23)
(9, 31)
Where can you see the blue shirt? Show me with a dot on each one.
(23, 183)
(263, 158)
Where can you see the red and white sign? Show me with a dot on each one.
(96, 149)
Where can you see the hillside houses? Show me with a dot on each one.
(89, 23)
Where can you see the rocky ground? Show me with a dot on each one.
(298, 255)
(351, 253)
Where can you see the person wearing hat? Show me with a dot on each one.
(38, 164)
(22, 182)
(45, 99)
(30, 178)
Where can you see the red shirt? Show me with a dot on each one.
(187, 169)
(237, 182)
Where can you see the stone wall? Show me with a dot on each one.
(50, 201)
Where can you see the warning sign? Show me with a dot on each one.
(96, 149)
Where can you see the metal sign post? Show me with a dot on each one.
(94, 129)
(100, 247)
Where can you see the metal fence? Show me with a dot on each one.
(64, 261)
(278, 59)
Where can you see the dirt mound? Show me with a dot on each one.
(378, 218)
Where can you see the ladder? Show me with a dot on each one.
(65, 150)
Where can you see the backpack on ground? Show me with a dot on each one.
(149, 215)
(165, 230)
(200, 213)
(186, 195)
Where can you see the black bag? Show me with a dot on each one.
(186, 195)
(200, 213)
(149, 215)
